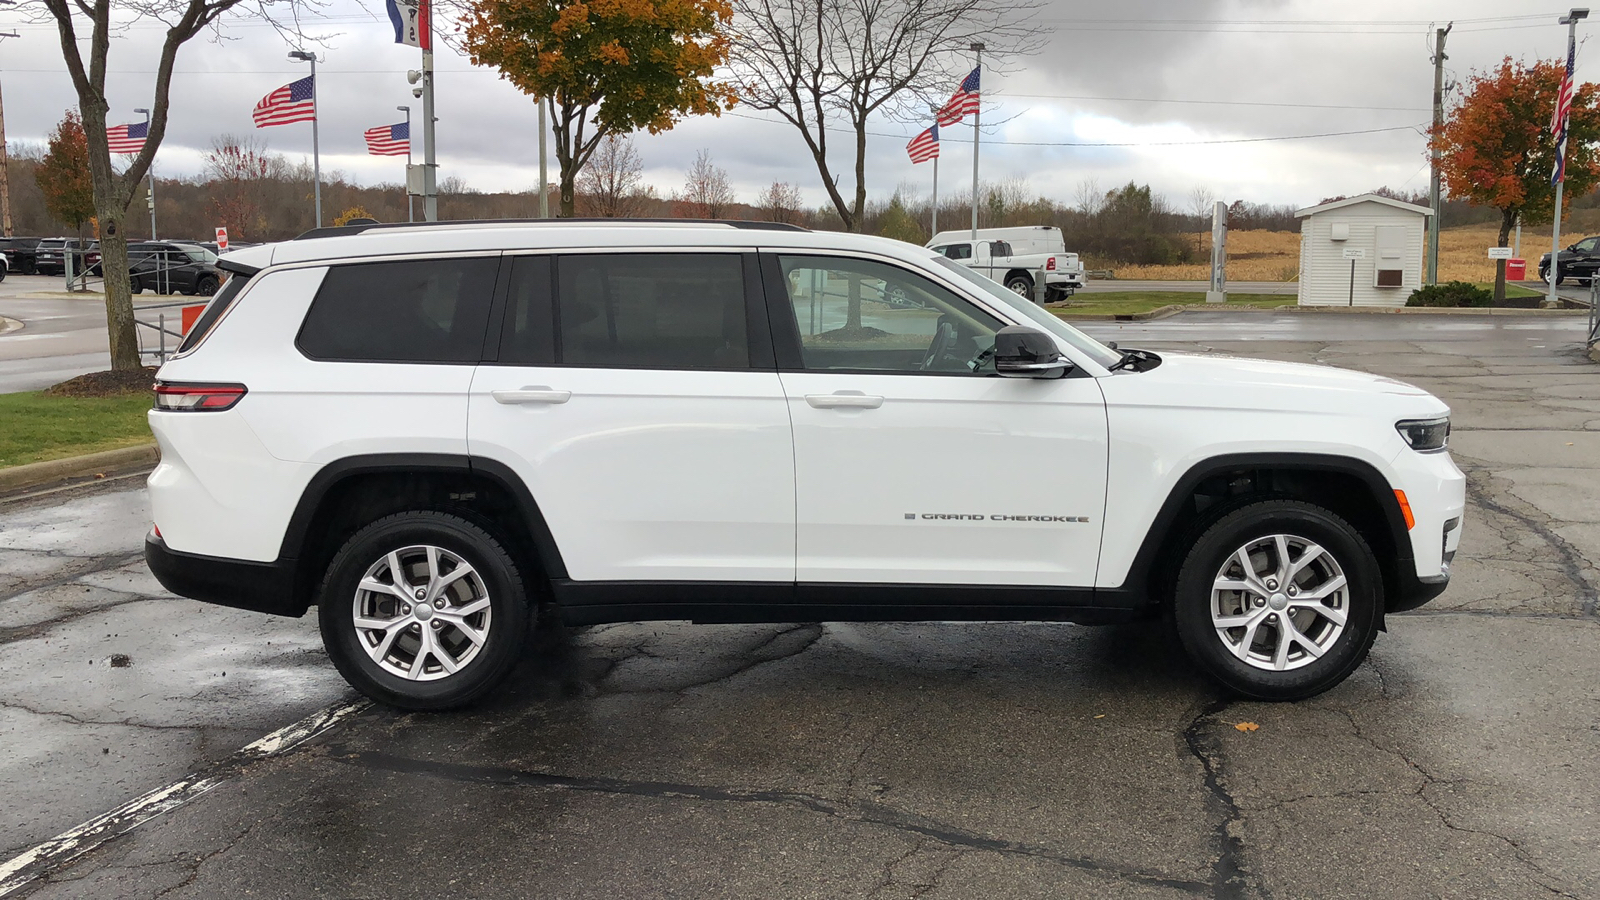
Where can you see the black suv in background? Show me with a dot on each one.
(1578, 262)
(20, 253)
(49, 255)
(173, 267)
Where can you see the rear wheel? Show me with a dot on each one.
(423, 610)
(1279, 600)
(207, 286)
(1020, 284)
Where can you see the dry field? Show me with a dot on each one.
(1275, 255)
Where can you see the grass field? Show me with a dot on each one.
(37, 427)
(1275, 256)
(1122, 303)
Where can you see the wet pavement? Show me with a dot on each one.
(926, 760)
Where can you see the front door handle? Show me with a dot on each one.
(534, 394)
(843, 400)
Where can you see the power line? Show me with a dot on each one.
(1004, 94)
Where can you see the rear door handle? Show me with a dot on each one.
(536, 394)
(841, 400)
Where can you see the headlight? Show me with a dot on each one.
(1425, 434)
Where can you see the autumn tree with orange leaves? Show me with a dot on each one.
(605, 66)
(1498, 150)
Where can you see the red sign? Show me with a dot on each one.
(222, 238)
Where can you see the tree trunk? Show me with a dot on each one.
(1508, 218)
(569, 177)
(859, 207)
(109, 209)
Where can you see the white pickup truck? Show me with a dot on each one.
(1013, 257)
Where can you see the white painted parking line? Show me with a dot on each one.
(75, 842)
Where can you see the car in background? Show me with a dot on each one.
(50, 256)
(1578, 262)
(19, 253)
(1014, 256)
(168, 267)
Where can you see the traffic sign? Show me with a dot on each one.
(1500, 253)
(1355, 253)
(222, 238)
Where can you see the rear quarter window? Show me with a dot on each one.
(427, 311)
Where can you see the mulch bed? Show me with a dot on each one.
(107, 384)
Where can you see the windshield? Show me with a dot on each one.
(200, 254)
(1046, 320)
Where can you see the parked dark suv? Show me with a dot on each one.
(171, 267)
(48, 258)
(20, 253)
(1578, 262)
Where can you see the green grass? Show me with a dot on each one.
(34, 427)
(1514, 289)
(1121, 303)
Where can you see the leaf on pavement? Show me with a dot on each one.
(1247, 726)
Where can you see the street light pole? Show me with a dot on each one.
(5, 164)
(544, 171)
(152, 174)
(411, 206)
(316, 154)
(1570, 20)
(430, 170)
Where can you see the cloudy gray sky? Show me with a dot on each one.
(1146, 74)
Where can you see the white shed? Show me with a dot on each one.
(1385, 236)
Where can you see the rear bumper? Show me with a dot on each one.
(266, 587)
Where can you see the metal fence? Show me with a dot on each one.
(154, 333)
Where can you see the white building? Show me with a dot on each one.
(1386, 237)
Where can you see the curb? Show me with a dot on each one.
(8, 325)
(1160, 312)
(1437, 310)
(54, 471)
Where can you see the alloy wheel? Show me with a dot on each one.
(422, 613)
(1279, 602)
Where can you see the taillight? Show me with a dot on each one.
(1050, 264)
(197, 397)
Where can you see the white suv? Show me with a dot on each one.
(436, 433)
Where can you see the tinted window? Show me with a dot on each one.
(528, 336)
(955, 251)
(865, 315)
(653, 310)
(208, 317)
(432, 310)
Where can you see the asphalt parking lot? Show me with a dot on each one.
(927, 760)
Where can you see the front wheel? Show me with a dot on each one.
(1279, 600)
(207, 286)
(423, 610)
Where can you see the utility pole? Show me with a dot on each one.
(5, 161)
(1570, 20)
(152, 197)
(1438, 126)
(430, 164)
(978, 47)
(544, 172)
(411, 205)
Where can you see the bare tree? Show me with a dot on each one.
(239, 168)
(1201, 202)
(706, 191)
(780, 203)
(113, 190)
(612, 184)
(820, 64)
(1088, 198)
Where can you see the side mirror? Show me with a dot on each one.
(1026, 353)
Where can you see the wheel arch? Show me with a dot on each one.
(347, 493)
(1010, 273)
(1348, 487)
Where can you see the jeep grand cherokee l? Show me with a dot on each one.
(437, 433)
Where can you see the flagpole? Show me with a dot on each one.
(975, 132)
(152, 175)
(935, 198)
(411, 205)
(1571, 21)
(316, 155)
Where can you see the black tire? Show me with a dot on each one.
(1361, 598)
(135, 285)
(207, 286)
(28, 268)
(1018, 280)
(507, 625)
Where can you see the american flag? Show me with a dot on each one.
(127, 138)
(294, 102)
(924, 146)
(1558, 123)
(389, 140)
(963, 102)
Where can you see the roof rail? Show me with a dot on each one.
(340, 230)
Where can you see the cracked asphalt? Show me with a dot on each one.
(884, 761)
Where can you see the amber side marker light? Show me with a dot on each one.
(1405, 508)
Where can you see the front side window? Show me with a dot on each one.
(426, 310)
(652, 310)
(1586, 245)
(858, 314)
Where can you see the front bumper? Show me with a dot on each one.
(266, 587)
